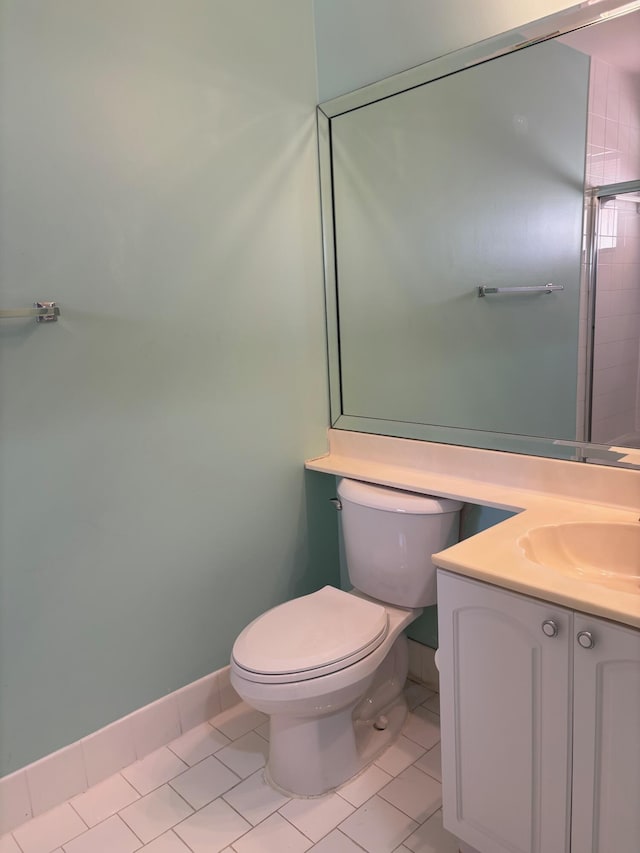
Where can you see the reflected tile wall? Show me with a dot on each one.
(613, 149)
(613, 156)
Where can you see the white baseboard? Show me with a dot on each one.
(56, 778)
(422, 665)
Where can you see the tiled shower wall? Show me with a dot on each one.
(613, 156)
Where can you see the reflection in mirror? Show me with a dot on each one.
(612, 416)
(482, 178)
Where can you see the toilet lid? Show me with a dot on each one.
(310, 636)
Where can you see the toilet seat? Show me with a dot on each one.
(310, 636)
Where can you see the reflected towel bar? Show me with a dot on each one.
(44, 312)
(485, 290)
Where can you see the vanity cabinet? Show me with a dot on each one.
(606, 738)
(540, 716)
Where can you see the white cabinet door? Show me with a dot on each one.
(606, 738)
(505, 717)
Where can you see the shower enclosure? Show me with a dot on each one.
(613, 377)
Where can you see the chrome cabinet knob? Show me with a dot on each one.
(550, 628)
(585, 639)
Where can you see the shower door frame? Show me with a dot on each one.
(597, 196)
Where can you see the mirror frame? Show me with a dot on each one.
(574, 18)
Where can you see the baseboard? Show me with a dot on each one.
(422, 665)
(56, 778)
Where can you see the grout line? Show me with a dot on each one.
(355, 842)
(16, 841)
(193, 811)
(74, 809)
(171, 829)
(130, 828)
(178, 837)
(297, 828)
(100, 822)
(400, 809)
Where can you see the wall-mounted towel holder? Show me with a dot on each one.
(44, 312)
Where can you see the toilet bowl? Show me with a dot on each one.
(329, 668)
(333, 709)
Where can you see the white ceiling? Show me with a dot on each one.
(616, 41)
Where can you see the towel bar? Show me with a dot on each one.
(44, 312)
(485, 290)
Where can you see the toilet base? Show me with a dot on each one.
(329, 751)
(309, 756)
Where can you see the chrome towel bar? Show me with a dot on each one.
(44, 312)
(485, 290)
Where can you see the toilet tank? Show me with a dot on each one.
(389, 537)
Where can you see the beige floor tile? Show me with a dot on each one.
(318, 816)
(245, 755)
(205, 782)
(431, 837)
(336, 842)
(167, 843)
(213, 828)
(238, 720)
(365, 785)
(400, 755)
(417, 694)
(198, 743)
(254, 799)
(433, 704)
(423, 727)
(154, 814)
(104, 799)
(110, 836)
(273, 834)
(431, 763)
(154, 770)
(414, 793)
(378, 826)
(50, 830)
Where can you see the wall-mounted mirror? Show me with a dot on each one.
(482, 243)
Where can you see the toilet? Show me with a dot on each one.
(329, 668)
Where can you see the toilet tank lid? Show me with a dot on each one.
(394, 500)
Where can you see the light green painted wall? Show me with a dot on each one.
(361, 41)
(159, 179)
(158, 174)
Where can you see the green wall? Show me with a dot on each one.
(361, 41)
(159, 179)
(158, 170)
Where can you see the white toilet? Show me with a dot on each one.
(329, 668)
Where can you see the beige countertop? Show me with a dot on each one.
(540, 491)
(495, 556)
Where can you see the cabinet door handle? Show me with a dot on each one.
(550, 628)
(585, 639)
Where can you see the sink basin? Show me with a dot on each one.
(598, 552)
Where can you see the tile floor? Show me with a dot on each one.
(205, 793)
